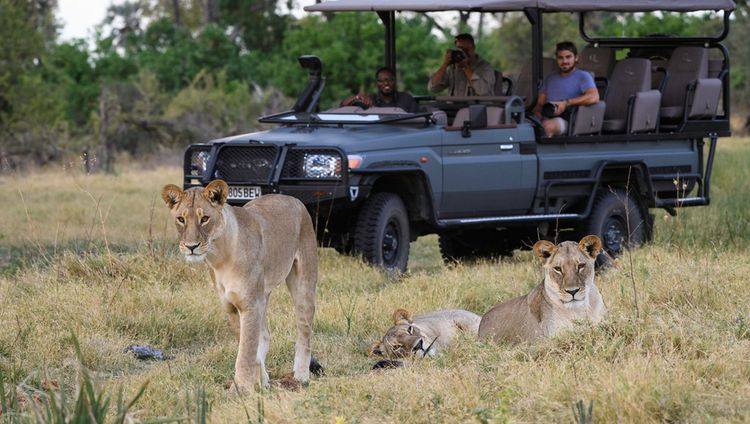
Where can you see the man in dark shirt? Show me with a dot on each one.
(386, 96)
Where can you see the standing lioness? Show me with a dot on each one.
(567, 294)
(249, 251)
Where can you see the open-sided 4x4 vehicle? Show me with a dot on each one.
(477, 170)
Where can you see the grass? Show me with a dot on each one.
(94, 257)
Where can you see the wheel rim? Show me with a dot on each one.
(614, 234)
(390, 243)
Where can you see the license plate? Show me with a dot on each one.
(244, 192)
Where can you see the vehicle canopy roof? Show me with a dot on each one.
(518, 5)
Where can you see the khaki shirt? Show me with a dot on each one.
(482, 80)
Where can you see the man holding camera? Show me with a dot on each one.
(463, 72)
(561, 90)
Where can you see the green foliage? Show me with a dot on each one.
(260, 24)
(350, 46)
(213, 106)
(151, 70)
(20, 46)
(70, 68)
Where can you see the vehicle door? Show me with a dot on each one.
(492, 172)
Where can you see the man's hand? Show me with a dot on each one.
(560, 107)
(359, 98)
(446, 59)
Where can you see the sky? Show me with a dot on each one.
(80, 16)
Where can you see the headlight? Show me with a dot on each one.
(321, 166)
(199, 162)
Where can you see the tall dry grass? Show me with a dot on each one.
(683, 358)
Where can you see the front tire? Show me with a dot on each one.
(618, 221)
(382, 233)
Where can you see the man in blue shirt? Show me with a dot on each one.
(569, 86)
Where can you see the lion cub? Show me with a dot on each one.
(249, 251)
(567, 294)
(423, 335)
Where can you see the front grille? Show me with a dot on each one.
(247, 164)
(294, 164)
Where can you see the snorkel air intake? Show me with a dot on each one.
(308, 100)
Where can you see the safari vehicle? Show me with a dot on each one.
(478, 171)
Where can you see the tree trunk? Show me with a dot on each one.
(106, 145)
(210, 11)
(176, 11)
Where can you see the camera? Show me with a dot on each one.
(549, 110)
(457, 55)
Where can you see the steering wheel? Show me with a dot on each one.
(359, 104)
(534, 121)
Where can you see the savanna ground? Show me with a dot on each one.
(94, 258)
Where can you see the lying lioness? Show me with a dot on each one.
(423, 335)
(567, 294)
(249, 251)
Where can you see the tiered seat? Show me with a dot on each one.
(632, 106)
(599, 61)
(524, 84)
(689, 93)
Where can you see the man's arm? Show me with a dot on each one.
(438, 81)
(540, 101)
(589, 97)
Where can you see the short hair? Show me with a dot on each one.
(465, 36)
(385, 68)
(566, 45)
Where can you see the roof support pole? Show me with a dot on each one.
(389, 23)
(534, 15)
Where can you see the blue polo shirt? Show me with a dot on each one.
(558, 87)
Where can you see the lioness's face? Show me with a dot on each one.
(402, 341)
(569, 268)
(197, 215)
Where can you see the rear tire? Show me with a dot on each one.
(382, 233)
(617, 219)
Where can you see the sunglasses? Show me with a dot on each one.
(386, 79)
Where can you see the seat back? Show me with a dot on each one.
(503, 84)
(524, 84)
(495, 115)
(461, 116)
(686, 65)
(715, 66)
(629, 77)
(598, 60)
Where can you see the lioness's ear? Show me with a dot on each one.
(375, 349)
(590, 245)
(171, 195)
(216, 192)
(401, 316)
(543, 249)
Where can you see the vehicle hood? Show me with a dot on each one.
(348, 138)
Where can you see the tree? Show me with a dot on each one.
(258, 23)
(351, 48)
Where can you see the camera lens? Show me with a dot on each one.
(549, 109)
